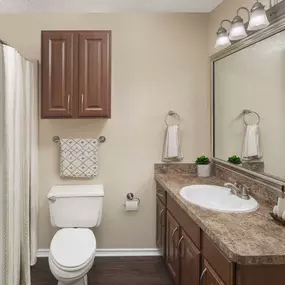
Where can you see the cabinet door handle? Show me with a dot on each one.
(82, 101)
(179, 244)
(202, 276)
(68, 103)
(173, 233)
(160, 195)
(160, 216)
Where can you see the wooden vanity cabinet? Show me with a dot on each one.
(76, 74)
(160, 226)
(183, 246)
(209, 276)
(161, 220)
(182, 255)
(220, 264)
(172, 256)
(190, 258)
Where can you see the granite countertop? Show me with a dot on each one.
(247, 238)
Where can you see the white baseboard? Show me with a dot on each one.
(44, 252)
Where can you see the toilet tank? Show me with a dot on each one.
(76, 206)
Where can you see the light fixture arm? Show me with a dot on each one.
(226, 21)
(245, 9)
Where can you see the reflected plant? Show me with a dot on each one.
(234, 159)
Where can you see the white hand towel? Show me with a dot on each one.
(172, 150)
(251, 144)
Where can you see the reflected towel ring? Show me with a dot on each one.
(247, 112)
(174, 115)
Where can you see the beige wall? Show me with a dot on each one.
(159, 63)
(227, 10)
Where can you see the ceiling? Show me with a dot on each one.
(93, 6)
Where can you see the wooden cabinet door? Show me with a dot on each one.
(172, 253)
(59, 60)
(160, 226)
(209, 276)
(189, 261)
(94, 74)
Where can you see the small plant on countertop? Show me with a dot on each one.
(234, 159)
(202, 160)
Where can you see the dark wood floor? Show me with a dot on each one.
(113, 271)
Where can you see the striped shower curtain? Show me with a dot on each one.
(18, 165)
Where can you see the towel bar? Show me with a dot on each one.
(56, 139)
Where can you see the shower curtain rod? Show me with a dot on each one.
(4, 43)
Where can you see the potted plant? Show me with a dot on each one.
(235, 160)
(203, 166)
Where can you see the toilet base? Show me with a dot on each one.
(82, 281)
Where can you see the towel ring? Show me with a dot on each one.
(247, 112)
(173, 115)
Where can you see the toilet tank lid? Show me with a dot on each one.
(76, 191)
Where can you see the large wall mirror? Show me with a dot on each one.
(249, 107)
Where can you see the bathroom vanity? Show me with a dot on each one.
(201, 246)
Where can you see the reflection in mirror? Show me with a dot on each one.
(249, 106)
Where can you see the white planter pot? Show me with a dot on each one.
(204, 170)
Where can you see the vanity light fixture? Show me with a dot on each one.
(222, 36)
(258, 19)
(238, 31)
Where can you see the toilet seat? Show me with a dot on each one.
(72, 249)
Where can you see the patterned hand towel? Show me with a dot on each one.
(79, 158)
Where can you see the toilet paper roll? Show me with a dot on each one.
(132, 205)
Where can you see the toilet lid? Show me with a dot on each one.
(73, 247)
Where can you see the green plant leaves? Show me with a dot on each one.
(234, 159)
(202, 160)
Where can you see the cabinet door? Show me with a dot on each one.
(189, 261)
(94, 74)
(209, 276)
(160, 226)
(172, 253)
(59, 58)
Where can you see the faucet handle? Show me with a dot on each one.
(246, 189)
(233, 181)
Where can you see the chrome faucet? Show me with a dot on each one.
(241, 191)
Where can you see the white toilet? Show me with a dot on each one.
(74, 209)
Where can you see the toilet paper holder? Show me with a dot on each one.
(131, 197)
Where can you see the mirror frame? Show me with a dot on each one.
(276, 17)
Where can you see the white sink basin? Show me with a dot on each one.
(217, 198)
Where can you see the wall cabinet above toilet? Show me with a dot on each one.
(76, 74)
